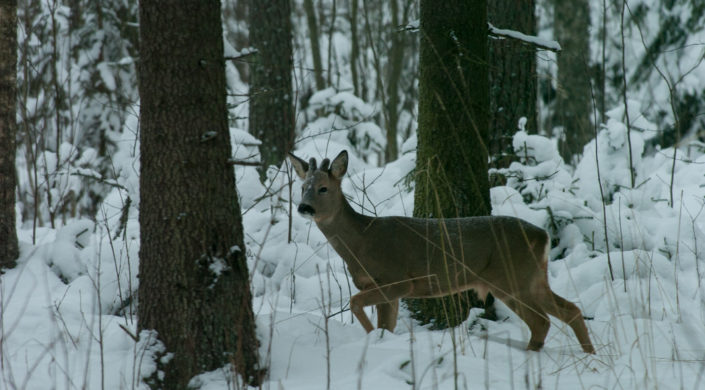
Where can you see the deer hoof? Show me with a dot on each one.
(534, 345)
(588, 348)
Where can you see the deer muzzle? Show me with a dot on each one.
(306, 210)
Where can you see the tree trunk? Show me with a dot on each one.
(512, 77)
(271, 92)
(331, 30)
(394, 64)
(8, 127)
(354, 47)
(451, 167)
(572, 110)
(315, 45)
(194, 289)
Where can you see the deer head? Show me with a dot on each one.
(321, 194)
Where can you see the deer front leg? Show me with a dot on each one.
(387, 295)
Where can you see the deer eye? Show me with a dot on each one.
(322, 190)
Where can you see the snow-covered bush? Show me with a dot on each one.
(59, 184)
(345, 119)
(568, 202)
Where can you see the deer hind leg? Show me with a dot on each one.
(570, 314)
(383, 296)
(387, 315)
(534, 316)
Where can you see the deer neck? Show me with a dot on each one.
(345, 228)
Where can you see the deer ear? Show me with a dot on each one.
(300, 166)
(339, 165)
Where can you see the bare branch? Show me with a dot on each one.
(244, 163)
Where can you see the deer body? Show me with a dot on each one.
(400, 257)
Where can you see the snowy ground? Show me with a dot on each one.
(67, 321)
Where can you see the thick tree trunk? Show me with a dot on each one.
(451, 167)
(194, 289)
(8, 128)
(512, 77)
(271, 92)
(572, 110)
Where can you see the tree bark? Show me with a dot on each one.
(572, 110)
(451, 167)
(513, 80)
(194, 287)
(8, 128)
(271, 93)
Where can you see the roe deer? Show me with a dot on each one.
(396, 257)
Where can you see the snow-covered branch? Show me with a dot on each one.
(493, 31)
(530, 39)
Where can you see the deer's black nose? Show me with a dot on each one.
(306, 209)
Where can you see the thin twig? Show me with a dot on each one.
(599, 183)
